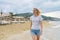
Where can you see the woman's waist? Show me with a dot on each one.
(35, 25)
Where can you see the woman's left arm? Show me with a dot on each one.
(41, 27)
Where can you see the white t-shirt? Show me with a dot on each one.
(35, 22)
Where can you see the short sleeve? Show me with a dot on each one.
(40, 18)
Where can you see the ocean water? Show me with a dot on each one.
(53, 32)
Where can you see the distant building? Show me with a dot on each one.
(5, 16)
(9, 18)
(18, 18)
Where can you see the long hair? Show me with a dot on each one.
(38, 12)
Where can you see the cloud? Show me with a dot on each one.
(16, 4)
(28, 5)
(50, 3)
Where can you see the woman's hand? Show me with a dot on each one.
(30, 24)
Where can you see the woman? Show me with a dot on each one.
(36, 24)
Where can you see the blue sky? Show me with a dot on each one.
(21, 6)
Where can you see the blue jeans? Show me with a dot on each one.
(35, 32)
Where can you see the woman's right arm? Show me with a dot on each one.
(30, 24)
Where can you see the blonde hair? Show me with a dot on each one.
(38, 12)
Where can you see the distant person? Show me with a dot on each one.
(36, 24)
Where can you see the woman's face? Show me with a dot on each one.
(35, 11)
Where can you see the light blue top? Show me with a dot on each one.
(35, 22)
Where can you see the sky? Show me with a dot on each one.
(21, 6)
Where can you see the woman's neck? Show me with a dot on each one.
(36, 15)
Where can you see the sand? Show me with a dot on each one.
(15, 29)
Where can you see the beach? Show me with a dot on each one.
(23, 33)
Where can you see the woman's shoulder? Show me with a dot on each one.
(40, 17)
(31, 17)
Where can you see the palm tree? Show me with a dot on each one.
(11, 16)
(1, 13)
(1, 17)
